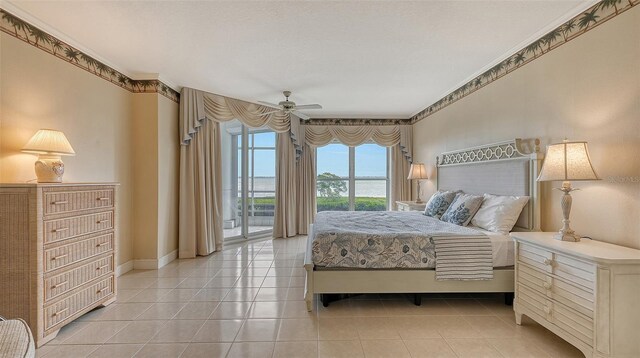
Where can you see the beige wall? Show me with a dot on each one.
(168, 176)
(588, 89)
(41, 91)
(145, 169)
(118, 136)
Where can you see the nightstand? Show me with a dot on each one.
(410, 206)
(585, 292)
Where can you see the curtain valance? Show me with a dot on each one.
(197, 105)
(352, 136)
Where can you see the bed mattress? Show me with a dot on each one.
(390, 240)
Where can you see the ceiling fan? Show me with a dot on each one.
(290, 107)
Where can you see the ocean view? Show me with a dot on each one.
(265, 187)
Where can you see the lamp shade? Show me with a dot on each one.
(49, 141)
(417, 171)
(567, 161)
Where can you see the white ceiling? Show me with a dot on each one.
(370, 59)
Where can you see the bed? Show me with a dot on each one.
(505, 168)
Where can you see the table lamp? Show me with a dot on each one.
(49, 144)
(418, 172)
(567, 161)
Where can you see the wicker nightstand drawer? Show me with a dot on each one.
(76, 251)
(60, 229)
(59, 201)
(56, 285)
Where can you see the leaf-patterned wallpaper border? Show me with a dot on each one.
(36, 37)
(576, 26)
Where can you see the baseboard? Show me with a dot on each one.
(124, 268)
(153, 264)
(145, 264)
(164, 260)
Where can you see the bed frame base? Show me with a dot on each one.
(398, 281)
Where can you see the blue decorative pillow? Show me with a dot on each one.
(438, 204)
(462, 209)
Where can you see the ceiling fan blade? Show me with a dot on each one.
(309, 106)
(269, 104)
(301, 115)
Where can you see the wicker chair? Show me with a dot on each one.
(16, 340)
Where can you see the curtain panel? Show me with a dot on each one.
(386, 136)
(284, 224)
(200, 205)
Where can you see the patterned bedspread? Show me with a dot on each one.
(382, 239)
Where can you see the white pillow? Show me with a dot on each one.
(499, 213)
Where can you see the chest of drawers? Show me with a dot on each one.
(585, 292)
(57, 253)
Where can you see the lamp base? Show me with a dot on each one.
(49, 169)
(567, 236)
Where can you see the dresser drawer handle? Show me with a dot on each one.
(102, 244)
(102, 267)
(547, 285)
(549, 262)
(546, 309)
(60, 312)
(103, 221)
(101, 290)
(60, 202)
(60, 229)
(57, 285)
(58, 257)
(102, 199)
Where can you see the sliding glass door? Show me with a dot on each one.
(248, 168)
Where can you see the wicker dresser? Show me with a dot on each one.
(57, 252)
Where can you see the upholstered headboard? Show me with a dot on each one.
(505, 168)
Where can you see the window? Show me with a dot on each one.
(352, 178)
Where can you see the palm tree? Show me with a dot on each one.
(17, 24)
(605, 4)
(101, 67)
(39, 35)
(519, 58)
(90, 61)
(495, 70)
(551, 37)
(532, 48)
(144, 84)
(123, 80)
(568, 27)
(588, 18)
(72, 54)
(56, 45)
(507, 63)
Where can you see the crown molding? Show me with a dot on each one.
(34, 21)
(580, 8)
(13, 25)
(588, 19)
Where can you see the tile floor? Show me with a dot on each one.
(246, 301)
